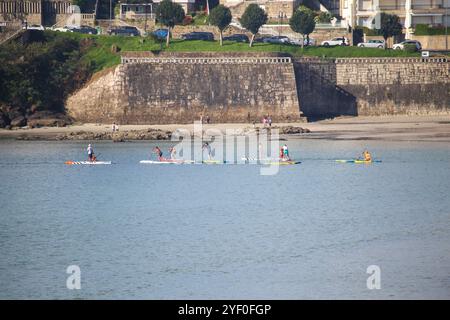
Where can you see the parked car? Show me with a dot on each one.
(277, 40)
(124, 31)
(237, 38)
(62, 29)
(160, 34)
(373, 44)
(261, 38)
(298, 42)
(339, 41)
(84, 29)
(401, 45)
(34, 27)
(208, 36)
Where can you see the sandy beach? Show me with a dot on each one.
(392, 128)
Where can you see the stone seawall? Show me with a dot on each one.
(243, 87)
(373, 86)
(180, 89)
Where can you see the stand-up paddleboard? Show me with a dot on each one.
(269, 161)
(212, 162)
(281, 163)
(358, 161)
(87, 162)
(249, 159)
(169, 161)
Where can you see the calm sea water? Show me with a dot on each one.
(198, 231)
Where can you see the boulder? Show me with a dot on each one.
(47, 119)
(19, 121)
(293, 130)
(13, 113)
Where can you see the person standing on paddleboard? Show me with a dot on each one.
(172, 152)
(285, 153)
(90, 152)
(208, 149)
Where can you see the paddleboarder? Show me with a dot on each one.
(158, 152)
(90, 152)
(208, 149)
(172, 152)
(285, 152)
(367, 156)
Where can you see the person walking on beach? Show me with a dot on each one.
(269, 120)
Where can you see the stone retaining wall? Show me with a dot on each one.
(145, 89)
(243, 87)
(373, 86)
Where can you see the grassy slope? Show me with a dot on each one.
(102, 56)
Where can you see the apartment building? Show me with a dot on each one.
(411, 12)
(45, 12)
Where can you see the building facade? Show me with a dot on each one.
(43, 12)
(138, 11)
(411, 12)
(276, 9)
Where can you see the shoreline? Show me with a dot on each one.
(388, 128)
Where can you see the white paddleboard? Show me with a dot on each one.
(166, 162)
(88, 162)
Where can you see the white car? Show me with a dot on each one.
(298, 42)
(34, 27)
(401, 45)
(339, 41)
(63, 29)
(373, 44)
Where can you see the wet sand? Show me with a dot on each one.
(392, 128)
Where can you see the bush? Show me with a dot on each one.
(323, 17)
(200, 19)
(426, 30)
(410, 48)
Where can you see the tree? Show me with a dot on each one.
(302, 22)
(169, 13)
(220, 17)
(252, 19)
(389, 25)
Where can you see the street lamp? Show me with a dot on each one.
(446, 27)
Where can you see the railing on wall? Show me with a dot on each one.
(231, 60)
(138, 16)
(372, 60)
(391, 60)
(88, 16)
